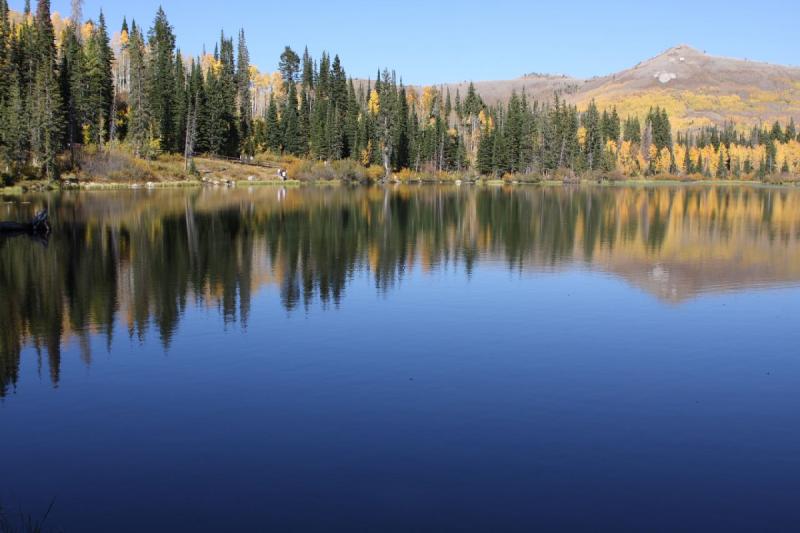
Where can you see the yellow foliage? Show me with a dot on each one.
(411, 97)
(582, 136)
(652, 153)
(365, 154)
(680, 156)
(374, 105)
(429, 96)
(628, 159)
(664, 161)
(86, 30)
(486, 120)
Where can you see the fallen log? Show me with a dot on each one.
(37, 226)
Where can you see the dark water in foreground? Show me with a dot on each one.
(409, 359)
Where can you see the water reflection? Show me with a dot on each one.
(140, 258)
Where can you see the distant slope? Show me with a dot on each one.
(697, 89)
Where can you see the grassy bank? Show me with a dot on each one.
(117, 168)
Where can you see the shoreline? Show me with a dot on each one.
(98, 186)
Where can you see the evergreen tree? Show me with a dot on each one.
(13, 131)
(387, 96)
(687, 161)
(593, 144)
(401, 134)
(273, 127)
(227, 99)
(139, 125)
(161, 81)
(290, 123)
(351, 146)
(182, 104)
(5, 52)
(46, 113)
(776, 134)
(308, 71)
(484, 161)
(73, 90)
(633, 131)
(722, 167)
(243, 82)
(289, 66)
(791, 131)
(105, 81)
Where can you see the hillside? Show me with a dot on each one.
(696, 88)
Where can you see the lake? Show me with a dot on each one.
(404, 359)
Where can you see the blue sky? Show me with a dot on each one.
(430, 42)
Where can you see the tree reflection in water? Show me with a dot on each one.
(140, 258)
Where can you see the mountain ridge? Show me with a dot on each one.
(696, 88)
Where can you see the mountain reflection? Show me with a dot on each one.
(139, 258)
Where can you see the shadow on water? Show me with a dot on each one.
(139, 258)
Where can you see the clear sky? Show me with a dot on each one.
(429, 42)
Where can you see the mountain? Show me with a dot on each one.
(697, 89)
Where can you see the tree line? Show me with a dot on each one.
(59, 93)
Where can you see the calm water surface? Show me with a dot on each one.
(404, 359)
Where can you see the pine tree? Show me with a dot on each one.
(72, 83)
(290, 123)
(308, 71)
(687, 160)
(633, 131)
(274, 133)
(791, 131)
(5, 48)
(105, 57)
(13, 131)
(593, 144)
(46, 114)
(722, 167)
(485, 147)
(198, 96)
(401, 134)
(243, 82)
(181, 113)
(776, 134)
(304, 121)
(139, 125)
(338, 86)
(387, 96)
(161, 81)
(289, 66)
(352, 146)
(228, 127)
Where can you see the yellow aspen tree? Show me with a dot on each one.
(664, 161)
(374, 104)
(429, 95)
(680, 156)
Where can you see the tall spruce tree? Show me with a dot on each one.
(182, 103)
(46, 113)
(593, 140)
(161, 81)
(139, 125)
(273, 126)
(244, 99)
